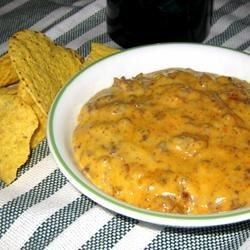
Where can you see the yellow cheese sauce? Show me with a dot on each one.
(171, 141)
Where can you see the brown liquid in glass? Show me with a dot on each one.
(136, 22)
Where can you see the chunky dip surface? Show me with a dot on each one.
(172, 141)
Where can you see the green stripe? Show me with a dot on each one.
(36, 155)
(82, 27)
(58, 222)
(13, 209)
(244, 45)
(72, 3)
(231, 31)
(24, 16)
(220, 237)
(64, 2)
(110, 233)
(227, 8)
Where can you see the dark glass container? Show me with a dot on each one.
(135, 22)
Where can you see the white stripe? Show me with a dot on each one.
(3, 48)
(219, 4)
(75, 19)
(66, 24)
(42, 23)
(238, 39)
(81, 3)
(138, 237)
(32, 218)
(98, 30)
(11, 6)
(237, 13)
(74, 236)
(50, 18)
(246, 245)
(225, 21)
(28, 180)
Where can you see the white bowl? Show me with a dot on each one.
(67, 104)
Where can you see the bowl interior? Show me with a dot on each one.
(66, 107)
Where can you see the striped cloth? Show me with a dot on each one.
(41, 209)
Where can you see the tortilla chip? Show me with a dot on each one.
(97, 52)
(42, 66)
(8, 74)
(11, 90)
(17, 124)
(40, 132)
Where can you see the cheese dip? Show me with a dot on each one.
(172, 141)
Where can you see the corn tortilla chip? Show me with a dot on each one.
(42, 66)
(40, 132)
(17, 124)
(8, 74)
(10, 90)
(97, 52)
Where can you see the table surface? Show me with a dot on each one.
(41, 209)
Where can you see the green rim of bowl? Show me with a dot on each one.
(117, 203)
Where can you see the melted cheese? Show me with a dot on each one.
(172, 141)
